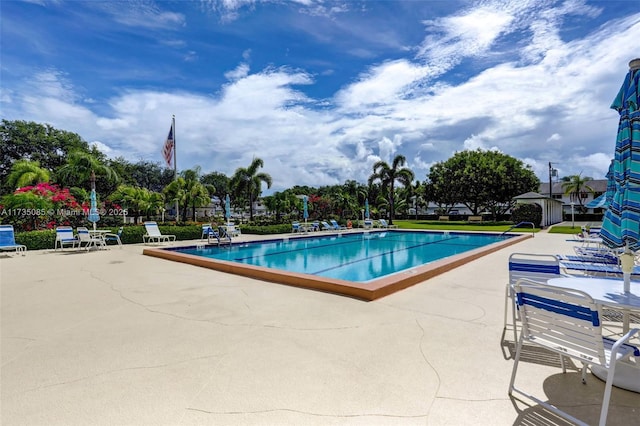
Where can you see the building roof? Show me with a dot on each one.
(598, 186)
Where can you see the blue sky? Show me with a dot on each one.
(321, 90)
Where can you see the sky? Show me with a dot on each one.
(322, 90)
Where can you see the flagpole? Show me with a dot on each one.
(175, 161)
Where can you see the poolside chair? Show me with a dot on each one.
(232, 230)
(598, 269)
(65, 237)
(568, 322)
(535, 267)
(382, 223)
(368, 224)
(85, 237)
(295, 227)
(206, 227)
(218, 236)
(8, 240)
(154, 235)
(335, 225)
(326, 226)
(114, 237)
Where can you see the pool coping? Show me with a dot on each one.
(372, 290)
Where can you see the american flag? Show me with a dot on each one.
(167, 150)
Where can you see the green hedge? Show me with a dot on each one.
(132, 234)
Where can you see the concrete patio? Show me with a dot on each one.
(117, 338)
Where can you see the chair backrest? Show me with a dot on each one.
(83, 233)
(334, 223)
(120, 231)
(564, 320)
(325, 225)
(383, 222)
(64, 233)
(152, 229)
(536, 267)
(7, 235)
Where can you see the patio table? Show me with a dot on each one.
(610, 293)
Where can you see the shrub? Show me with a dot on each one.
(527, 213)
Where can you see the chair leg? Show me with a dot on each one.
(607, 394)
(515, 365)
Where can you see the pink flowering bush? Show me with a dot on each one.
(41, 206)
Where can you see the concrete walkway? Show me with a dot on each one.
(117, 338)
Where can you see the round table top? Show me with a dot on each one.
(603, 290)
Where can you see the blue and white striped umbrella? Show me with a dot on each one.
(366, 209)
(604, 200)
(305, 209)
(227, 207)
(621, 224)
(598, 202)
(94, 216)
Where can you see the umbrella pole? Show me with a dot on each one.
(627, 263)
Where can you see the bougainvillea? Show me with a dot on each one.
(41, 206)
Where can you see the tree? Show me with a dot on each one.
(482, 180)
(25, 172)
(188, 191)
(388, 175)
(138, 201)
(78, 168)
(219, 181)
(27, 140)
(575, 186)
(247, 182)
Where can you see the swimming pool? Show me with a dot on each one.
(366, 265)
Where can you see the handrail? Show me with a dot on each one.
(533, 227)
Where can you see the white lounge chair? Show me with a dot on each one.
(568, 322)
(65, 237)
(326, 226)
(368, 224)
(335, 225)
(154, 235)
(8, 240)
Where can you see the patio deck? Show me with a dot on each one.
(117, 338)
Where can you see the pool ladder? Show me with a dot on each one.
(533, 227)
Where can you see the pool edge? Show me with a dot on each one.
(370, 291)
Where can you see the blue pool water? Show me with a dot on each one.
(358, 257)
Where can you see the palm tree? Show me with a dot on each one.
(575, 187)
(388, 175)
(189, 192)
(138, 201)
(77, 170)
(24, 173)
(247, 182)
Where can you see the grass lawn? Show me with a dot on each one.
(557, 229)
(459, 226)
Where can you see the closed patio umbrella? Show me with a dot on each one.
(366, 209)
(94, 216)
(305, 209)
(227, 208)
(621, 224)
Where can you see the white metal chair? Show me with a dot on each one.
(206, 228)
(567, 322)
(84, 237)
(232, 230)
(536, 267)
(114, 237)
(65, 237)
